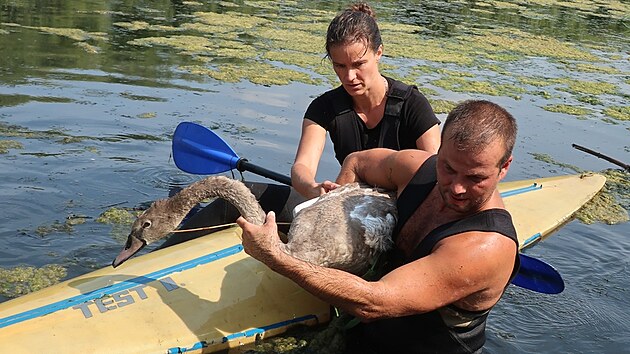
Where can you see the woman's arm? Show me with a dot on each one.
(307, 159)
(430, 140)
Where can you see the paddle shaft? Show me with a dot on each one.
(602, 156)
(244, 165)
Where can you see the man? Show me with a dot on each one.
(456, 247)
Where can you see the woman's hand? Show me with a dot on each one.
(327, 186)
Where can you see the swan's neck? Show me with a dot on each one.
(233, 191)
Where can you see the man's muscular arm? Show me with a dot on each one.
(383, 168)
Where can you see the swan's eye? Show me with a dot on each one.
(146, 225)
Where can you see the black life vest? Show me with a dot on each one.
(346, 130)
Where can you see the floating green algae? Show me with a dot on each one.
(5, 145)
(442, 106)
(428, 91)
(232, 21)
(19, 281)
(75, 34)
(589, 99)
(550, 160)
(253, 34)
(258, 73)
(92, 49)
(133, 97)
(327, 339)
(608, 9)
(594, 68)
(618, 112)
(72, 33)
(291, 39)
(535, 81)
(147, 115)
(413, 46)
(224, 4)
(305, 60)
(116, 216)
(602, 208)
(459, 84)
(618, 183)
(120, 219)
(133, 25)
(515, 41)
(279, 345)
(568, 109)
(611, 205)
(57, 226)
(247, 41)
(588, 87)
(187, 44)
(16, 100)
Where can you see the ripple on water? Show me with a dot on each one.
(156, 178)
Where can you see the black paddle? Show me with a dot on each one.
(198, 150)
(625, 166)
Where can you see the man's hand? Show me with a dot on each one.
(261, 242)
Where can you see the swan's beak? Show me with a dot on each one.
(133, 246)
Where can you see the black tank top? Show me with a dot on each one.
(448, 329)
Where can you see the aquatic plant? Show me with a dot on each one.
(550, 160)
(56, 226)
(147, 115)
(568, 109)
(618, 112)
(442, 106)
(116, 216)
(5, 145)
(611, 205)
(19, 281)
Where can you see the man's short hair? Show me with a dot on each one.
(473, 124)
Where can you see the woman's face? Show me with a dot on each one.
(356, 66)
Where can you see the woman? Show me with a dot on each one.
(368, 110)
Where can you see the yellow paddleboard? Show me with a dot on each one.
(204, 294)
(539, 206)
(207, 295)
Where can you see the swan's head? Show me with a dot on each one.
(154, 224)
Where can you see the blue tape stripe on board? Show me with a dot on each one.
(248, 333)
(196, 346)
(532, 239)
(125, 285)
(254, 331)
(533, 187)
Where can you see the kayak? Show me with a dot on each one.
(540, 206)
(206, 295)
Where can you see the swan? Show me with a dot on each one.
(345, 229)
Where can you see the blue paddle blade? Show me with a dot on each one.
(197, 149)
(539, 276)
